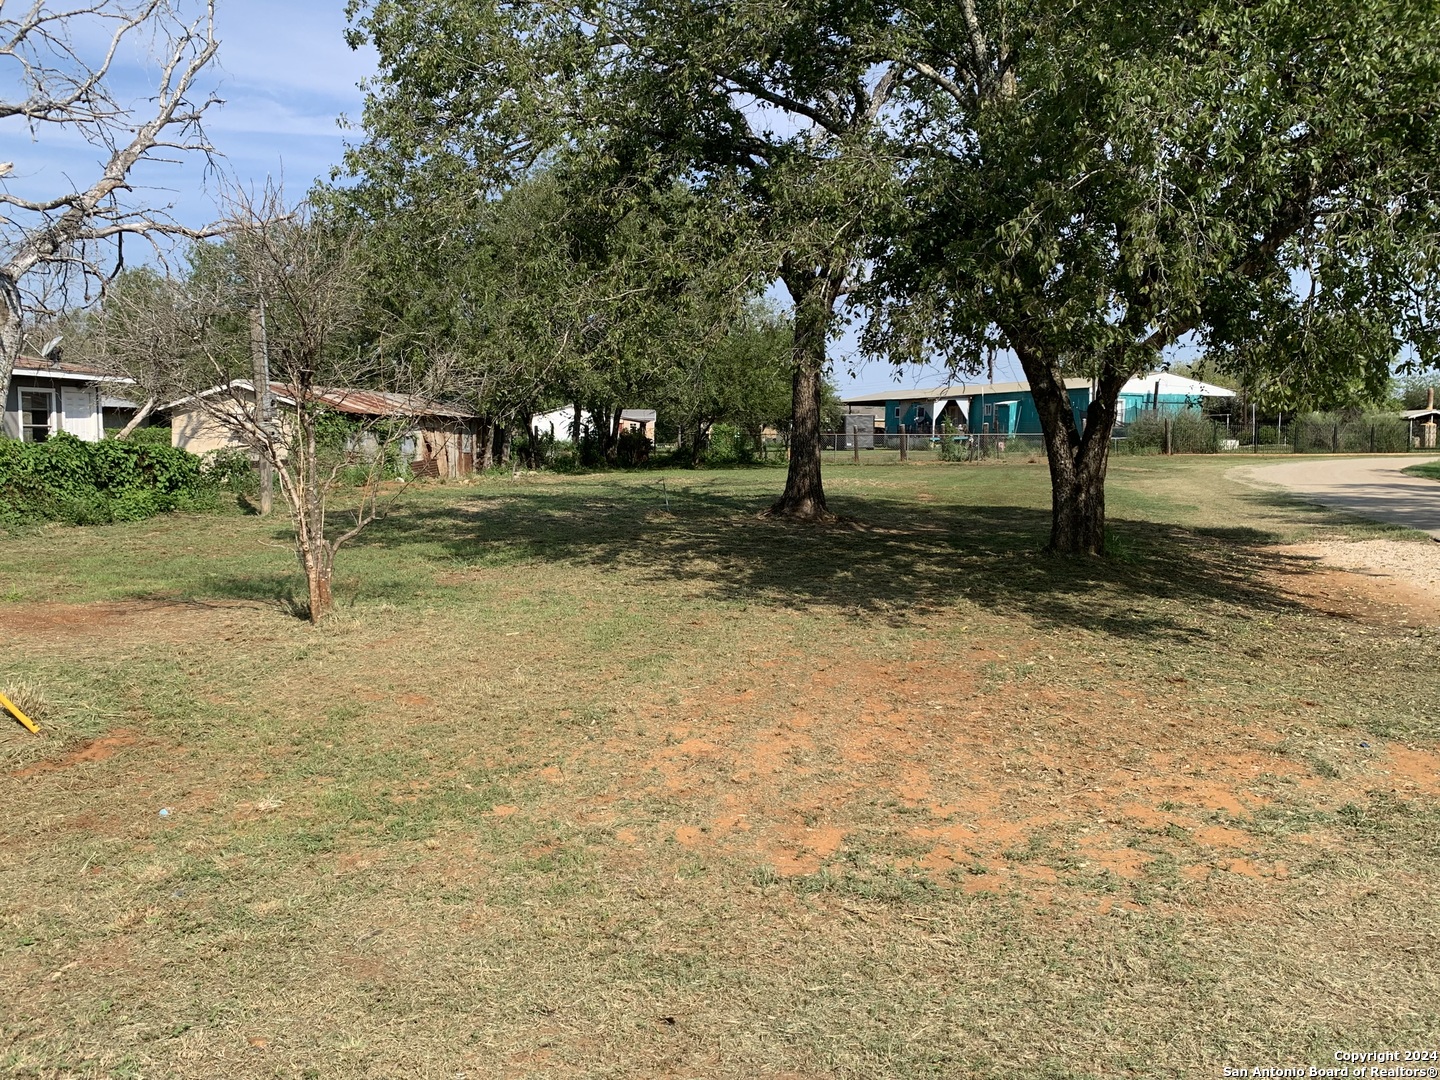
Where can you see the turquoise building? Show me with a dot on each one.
(1009, 408)
(997, 408)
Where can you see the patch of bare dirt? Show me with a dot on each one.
(143, 620)
(1016, 791)
(93, 751)
(1383, 581)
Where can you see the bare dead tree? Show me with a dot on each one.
(59, 63)
(186, 343)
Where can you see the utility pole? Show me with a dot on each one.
(264, 406)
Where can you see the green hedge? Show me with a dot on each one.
(65, 479)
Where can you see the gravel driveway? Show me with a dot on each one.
(1372, 487)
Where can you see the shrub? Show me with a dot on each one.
(1190, 433)
(633, 448)
(230, 469)
(155, 435)
(64, 479)
(728, 445)
(952, 448)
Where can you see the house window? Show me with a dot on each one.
(35, 409)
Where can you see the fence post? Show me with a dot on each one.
(855, 449)
(1335, 439)
(1169, 446)
(904, 445)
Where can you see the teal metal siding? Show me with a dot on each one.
(1169, 403)
(1008, 413)
(1015, 413)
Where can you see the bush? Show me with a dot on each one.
(64, 479)
(231, 469)
(155, 435)
(633, 448)
(951, 446)
(1371, 433)
(728, 445)
(1190, 433)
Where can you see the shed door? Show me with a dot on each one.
(77, 409)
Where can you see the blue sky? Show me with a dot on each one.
(286, 77)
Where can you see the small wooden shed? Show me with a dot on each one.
(439, 440)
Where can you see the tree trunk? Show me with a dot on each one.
(139, 418)
(319, 569)
(1078, 459)
(814, 295)
(610, 441)
(532, 445)
(1077, 513)
(11, 333)
(484, 444)
(697, 444)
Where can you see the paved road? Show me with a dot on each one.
(1372, 487)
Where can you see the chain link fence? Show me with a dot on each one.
(1150, 433)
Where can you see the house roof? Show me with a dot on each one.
(1421, 414)
(1174, 386)
(1170, 386)
(953, 390)
(639, 416)
(356, 402)
(41, 368)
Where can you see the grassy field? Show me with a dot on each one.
(1430, 470)
(607, 777)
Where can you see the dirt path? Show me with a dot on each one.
(1371, 487)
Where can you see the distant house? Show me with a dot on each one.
(1009, 408)
(560, 424)
(439, 440)
(1165, 393)
(47, 397)
(996, 408)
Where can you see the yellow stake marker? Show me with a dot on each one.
(19, 715)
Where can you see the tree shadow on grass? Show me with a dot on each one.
(1303, 510)
(894, 560)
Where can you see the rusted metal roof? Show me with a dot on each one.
(347, 400)
(377, 403)
(36, 365)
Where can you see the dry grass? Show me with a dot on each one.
(577, 787)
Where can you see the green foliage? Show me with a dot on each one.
(1100, 185)
(633, 448)
(1412, 391)
(65, 479)
(231, 469)
(747, 134)
(729, 445)
(1190, 433)
(157, 435)
(951, 448)
(743, 380)
(1372, 433)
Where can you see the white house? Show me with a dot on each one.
(48, 397)
(560, 424)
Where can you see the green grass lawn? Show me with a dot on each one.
(1430, 470)
(607, 776)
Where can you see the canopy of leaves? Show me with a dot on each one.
(1091, 186)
